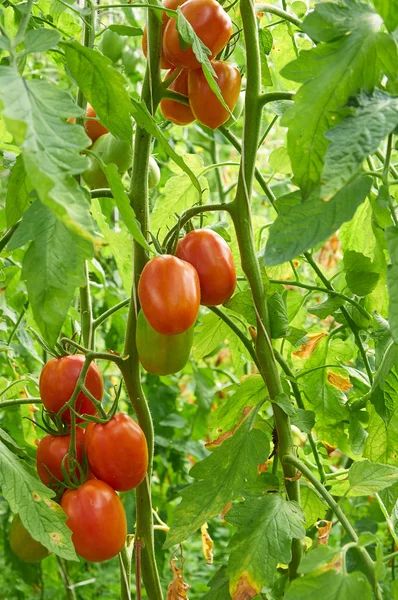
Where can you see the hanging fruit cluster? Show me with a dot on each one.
(213, 26)
(170, 291)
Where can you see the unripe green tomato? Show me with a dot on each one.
(162, 354)
(22, 543)
(236, 112)
(110, 150)
(129, 60)
(112, 45)
(153, 173)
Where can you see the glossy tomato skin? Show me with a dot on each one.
(162, 354)
(211, 24)
(50, 453)
(97, 520)
(204, 103)
(173, 4)
(94, 129)
(117, 452)
(169, 294)
(57, 383)
(212, 258)
(174, 111)
(24, 545)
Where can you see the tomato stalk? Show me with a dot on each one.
(151, 94)
(241, 215)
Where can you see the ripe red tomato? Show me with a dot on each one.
(50, 453)
(117, 452)
(173, 4)
(211, 24)
(169, 294)
(212, 258)
(174, 111)
(94, 129)
(204, 103)
(23, 544)
(57, 383)
(97, 520)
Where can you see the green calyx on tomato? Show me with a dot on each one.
(162, 354)
(110, 150)
(153, 173)
(112, 44)
(24, 545)
(51, 451)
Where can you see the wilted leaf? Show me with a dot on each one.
(343, 383)
(207, 544)
(307, 349)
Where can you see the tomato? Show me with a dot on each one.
(23, 544)
(173, 4)
(94, 129)
(153, 173)
(112, 44)
(97, 520)
(212, 258)
(237, 111)
(110, 150)
(211, 24)
(169, 294)
(50, 453)
(58, 380)
(162, 354)
(174, 111)
(117, 452)
(204, 103)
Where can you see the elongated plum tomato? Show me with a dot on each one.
(174, 111)
(97, 520)
(117, 452)
(205, 105)
(211, 24)
(162, 354)
(169, 294)
(58, 380)
(173, 4)
(50, 454)
(23, 544)
(212, 258)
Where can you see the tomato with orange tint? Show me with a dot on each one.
(175, 111)
(172, 4)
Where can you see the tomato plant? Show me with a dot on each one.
(51, 451)
(169, 294)
(23, 544)
(97, 520)
(58, 380)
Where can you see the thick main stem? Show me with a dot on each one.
(241, 214)
(130, 368)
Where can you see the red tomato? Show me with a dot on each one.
(57, 383)
(211, 256)
(169, 294)
(94, 129)
(97, 520)
(173, 4)
(117, 452)
(204, 103)
(211, 24)
(50, 453)
(174, 111)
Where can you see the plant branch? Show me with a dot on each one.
(108, 313)
(274, 96)
(243, 338)
(274, 10)
(101, 193)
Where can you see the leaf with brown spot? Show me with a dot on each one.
(217, 442)
(307, 349)
(342, 383)
(177, 589)
(244, 590)
(207, 544)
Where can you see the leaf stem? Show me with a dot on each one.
(108, 313)
(86, 314)
(18, 401)
(243, 338)
(274, 96)
(17, 324)
(274, 10)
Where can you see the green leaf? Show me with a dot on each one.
(330, 74)
(304, 420)
(52, 266)
(392, 280)
(265, 42)
(210, 332)
(126, 30)
(317, 558)
(326, 308)
(219, 586)
(278, 316)
(368, 478)
(250, 393)
(361, 275)
(330, 585)
(283, 401)
(382, 441)
(266, 528)
(388, 10)
(242, 304)
(35, 113)
(18, 190)
(103, 86)
(42, 517)
(371, 118)
(280, 161)
(41, 39)
(221, 477)
(314, 508)
(302, 225)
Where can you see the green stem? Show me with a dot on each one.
(23, 24)
(189, 214)
(245, 340)
(385, 179)
(215, 160)
(382, 159)
(125, 573)
(17, 324)
(173, 95)
(18, 401)
(86, 314)
(63, 569)
(266, 132)
(7, 236)
(274, 10)
(274, 96)
(391, 556)
(101, 193)
(108, 313)
(241, 215)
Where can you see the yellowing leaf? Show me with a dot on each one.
(307, 349)
(177, 589)
(343, 383)
(244, 590)
(207, 544)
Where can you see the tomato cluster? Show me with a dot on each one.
(110, 456)
(213, 26)
(170, 290)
